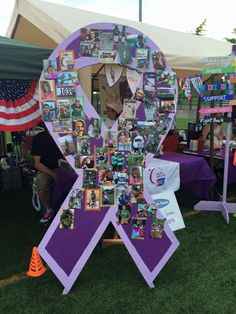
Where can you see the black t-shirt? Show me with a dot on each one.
(44, 146)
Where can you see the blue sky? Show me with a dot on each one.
(182, 15)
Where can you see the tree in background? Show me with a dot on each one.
(232, 40)
(199, 31)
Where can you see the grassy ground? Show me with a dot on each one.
(199, 278)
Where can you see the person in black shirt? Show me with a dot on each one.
(46, 155)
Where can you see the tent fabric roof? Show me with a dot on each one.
(19, 60)
(182, 50)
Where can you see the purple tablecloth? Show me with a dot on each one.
(196, 177)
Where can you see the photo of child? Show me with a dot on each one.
(92, 200)
(50, 69)
(67, 60)
(108, 195)
(124, 214)
(138, 228)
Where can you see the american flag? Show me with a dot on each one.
(19, 105)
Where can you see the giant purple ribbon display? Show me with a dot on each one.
(108, 158)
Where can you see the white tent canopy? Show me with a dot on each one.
(48, 24)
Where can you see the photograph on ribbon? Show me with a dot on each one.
(63, 109)
(65, 91)
(48, 110)
(135, 160)
(67, 144)
(108, 195)
(106, 40)
(107, 56)
(152, 210)
(92, 200)
(125, 54)
(119, 35)
(101, 157)
(129, 109)
(135, 175)
(149, 81)
(66, 79)
(50, 69)
(94, 128)
(121, 178)
(153, 142)
(89, 35)
(105, 176)
(157, 229)
(124, 214)
(67, 218)
(110, 138)
(165, 77)
(89, 49)
(150, 110)
(117, 160)
(138, 228)
(89, 178)
(77, 108)
(142, 58)
(79, 127)
(67, 60)
(122, 195)
(166, 93)
(127, 125)
(46, 90)
(125, 141)
(158, 60)
(166, 106)
(136, 194)
(62, 126)
(138, 143)
(142, 210)
(83, 145)
(86, 162)
(75, 198)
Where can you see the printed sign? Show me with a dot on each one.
(224, 59)
(216, 98)
(215, 110)
(228, 69)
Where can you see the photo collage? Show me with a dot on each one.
(112, 160)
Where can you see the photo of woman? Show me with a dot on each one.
(94, 129)
(135, 175)
(46, 90)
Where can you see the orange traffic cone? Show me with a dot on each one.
(36, 268)
(234, 161)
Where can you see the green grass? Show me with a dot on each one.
(199, 278)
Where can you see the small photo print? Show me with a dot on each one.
(150, 110)
(125, 141)
(124, 214)
(75, 198)
(67, 218)
(89, 49)
(89, 179)
(166, 106)
(86, 162)
(50, 69)
(62, 126)
(127, 125)
(149, 81)
(48, 109)
(138, 143)
(105, 176)
(101, 156)
(63, 109)
(153, 142)
(106, 40)
(157, 229)
(136, 160)
(125, 54)
(65, 91)
(138, 228)
(158, 60)
(129, 109)
(136, 194)
(110, 139)
(46, 90)
(94, 129)
(92, 200)
(108, 195)
(67, 144)
(165, 93)
(83, 146)
(142, 58)
(79, 128)
(67, 60)
(142, 210)
(166, 77)
(121, 178)
(135, 175)
(67, 79)
(117, 161)
(77, 108)
(122, 195)
(89, 35)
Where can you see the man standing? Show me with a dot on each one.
(45, 155)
